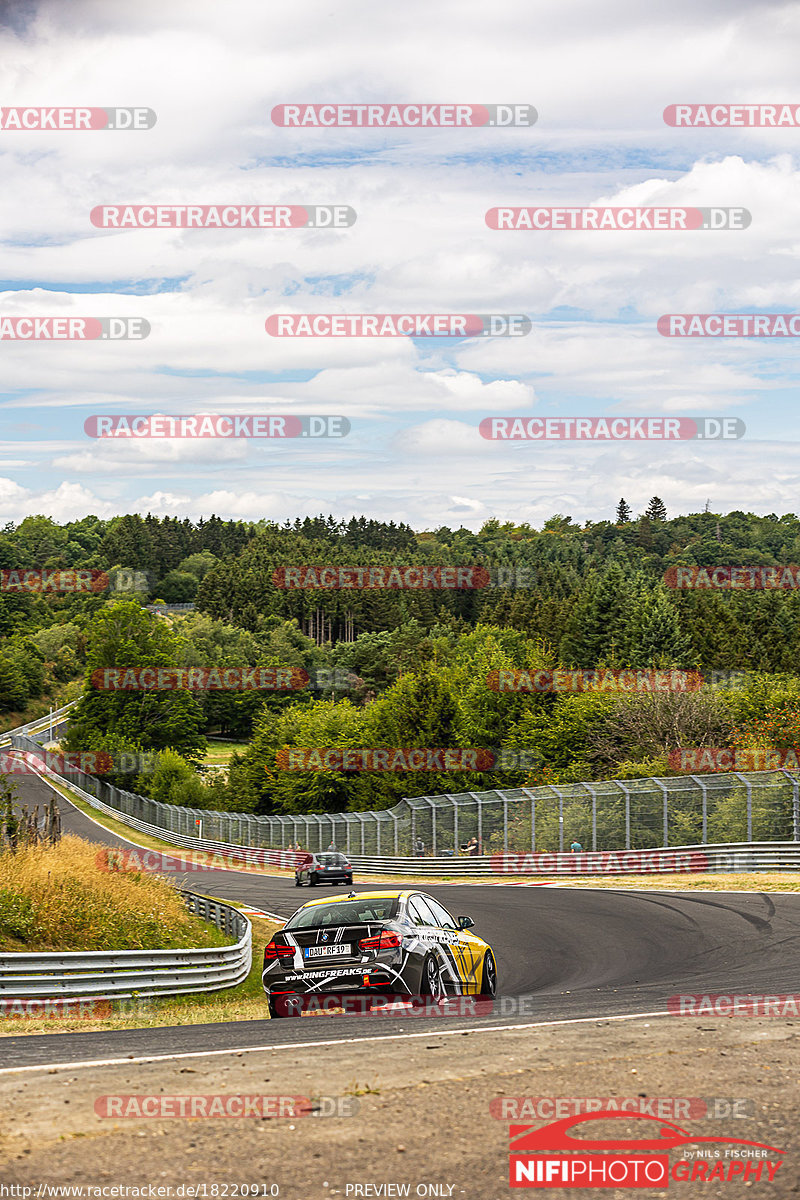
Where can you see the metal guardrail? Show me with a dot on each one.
(696, 858)
(763, 808)
(121, 974)
(54, 719)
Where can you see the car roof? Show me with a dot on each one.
(391, 895)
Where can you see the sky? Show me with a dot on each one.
(599, 76)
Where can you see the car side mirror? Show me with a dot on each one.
(465, 922)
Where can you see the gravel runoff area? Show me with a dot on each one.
(423, 1109)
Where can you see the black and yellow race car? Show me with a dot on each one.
(399, 942)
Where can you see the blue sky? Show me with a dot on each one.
(599, 78)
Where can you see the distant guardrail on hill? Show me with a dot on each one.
(54, 721)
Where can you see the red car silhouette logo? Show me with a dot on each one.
(526, 1138)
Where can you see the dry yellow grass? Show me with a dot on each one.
(61, 898)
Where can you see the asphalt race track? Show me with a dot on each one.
(574, 954)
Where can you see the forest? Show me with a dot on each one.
(404, 666)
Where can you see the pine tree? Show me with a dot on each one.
(656, 510)
(595, 631)
(623, 512)
(655, 637)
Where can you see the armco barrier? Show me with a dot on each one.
(119, 974)
(762, 808)
(55, 720)
(723, 857)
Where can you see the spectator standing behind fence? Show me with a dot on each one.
(576, 848)
(419, 848)
(471, 847)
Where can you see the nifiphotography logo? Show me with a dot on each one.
(621, 1162)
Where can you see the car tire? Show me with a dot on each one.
(298, 881)
(489, 975)
(349, 881)
(432, 983)
(312, 881)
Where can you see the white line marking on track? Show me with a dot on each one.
(389, 1037)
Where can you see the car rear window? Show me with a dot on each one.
(331, 860)
(344, 912)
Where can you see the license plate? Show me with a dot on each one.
(326, 951)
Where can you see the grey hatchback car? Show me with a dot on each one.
(326, 867)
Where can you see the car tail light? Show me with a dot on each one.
(384, 941)
(274, 951)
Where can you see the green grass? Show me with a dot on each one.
(219, 752)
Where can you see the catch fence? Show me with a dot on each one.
(634, 814)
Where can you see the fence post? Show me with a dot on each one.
(593, 794)
(455, 824)
(704, 790)
(532, 797)
(505, 823)
(558, 792)
(480, 824)
(663, 787)
(795, 804)
(627, 813)
(396, 820)
(749, 787)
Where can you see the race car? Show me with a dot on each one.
(396, 942)
(327, 867)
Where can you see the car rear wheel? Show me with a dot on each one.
(488, 975)
(432, 982)
(312, 881)
(298, 881)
